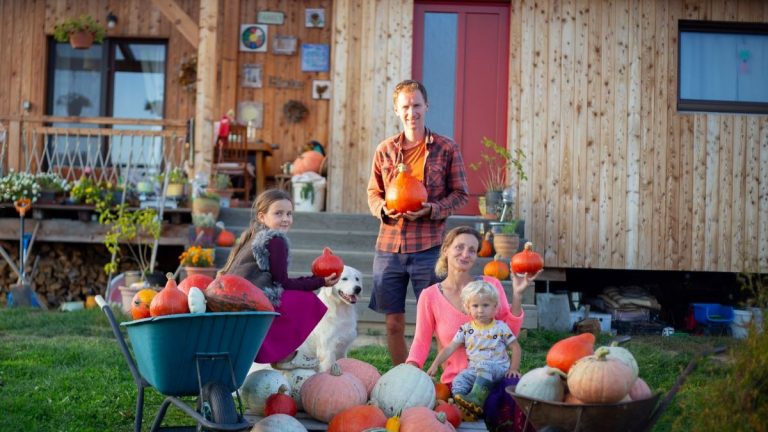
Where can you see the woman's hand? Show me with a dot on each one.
(332, 279)
(520, 283)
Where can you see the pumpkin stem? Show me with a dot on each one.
(441, 417)
(335, 370)
(528, 246)
(556, 371)
(601, 353)
(169, 275)
(283, 389)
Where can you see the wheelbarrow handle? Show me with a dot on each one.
(100, 301)
(22, 205)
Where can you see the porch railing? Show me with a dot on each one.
(106, 148)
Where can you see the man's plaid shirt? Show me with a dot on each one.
(446, 184)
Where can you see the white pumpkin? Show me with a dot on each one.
(297, 377)
(196, 300)
(278, 422)
(544, 383)
(623, 355)
(402, 387)
(258, 386)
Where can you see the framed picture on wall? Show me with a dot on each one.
(315, 57)
(321, 89)
(251, 113)
(253, 37)
(314, 18)
(284, 45)
(252, 75)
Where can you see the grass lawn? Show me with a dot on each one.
(64, 372)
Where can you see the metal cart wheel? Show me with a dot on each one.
(217, 404)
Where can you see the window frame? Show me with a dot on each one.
(717, 106)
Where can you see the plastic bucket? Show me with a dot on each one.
(740, 324)
(308, 196)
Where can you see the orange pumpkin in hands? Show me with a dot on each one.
(327, 264)
(140, 303)
(405, 193)
(171, 300)
(527, 262)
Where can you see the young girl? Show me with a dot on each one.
(262, 257)
(485, 340)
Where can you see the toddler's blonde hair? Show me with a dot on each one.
(478, 288)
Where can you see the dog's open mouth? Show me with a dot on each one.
(351, 299)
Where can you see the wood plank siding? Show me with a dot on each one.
(618, 178)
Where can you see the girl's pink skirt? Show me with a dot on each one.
(300, 311)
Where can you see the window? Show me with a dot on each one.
(723, 67)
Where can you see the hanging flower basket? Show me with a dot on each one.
(81, 32)
(81, 39)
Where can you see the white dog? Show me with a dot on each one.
(334, 334)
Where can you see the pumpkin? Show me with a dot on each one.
(170, 300)
(571, 399)
(196, 280)
(402, 387)
(376, 429)
(421, 419)
(624, 356)
(600, 380)
(393, 424)
(225, 238)
(497, 269)
(527, 262)
(232, 293)
(486, 247)
(140, 303)
(260, 385)
(405, 193)
(326, 394)
(278, 422)
(196, 300)
(296, 378)
(442, 391)
(357, 418)
(544, 383)
(310, 160)
(640, 390)
(280, 403)
(327, 264)
(564, 353)
(365, 372)
(451, 411)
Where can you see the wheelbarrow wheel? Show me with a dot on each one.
(217, 404)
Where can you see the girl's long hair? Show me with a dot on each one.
(261, 205)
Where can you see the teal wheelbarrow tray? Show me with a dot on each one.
(205, 355)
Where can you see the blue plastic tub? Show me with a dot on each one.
(166, 348)
(712, 313)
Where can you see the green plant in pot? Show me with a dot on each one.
(138, 230)
(177, 178)
(497, 161)
(81, 32)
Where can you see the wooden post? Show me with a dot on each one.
(14, 145)
(206, 85)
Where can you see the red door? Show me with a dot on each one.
(461, 54)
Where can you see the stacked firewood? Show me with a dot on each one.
(59, 272)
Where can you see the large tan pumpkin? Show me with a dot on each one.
(402, 387)
(599, 379)
(366, 372)
(326, 394)
(258, 386)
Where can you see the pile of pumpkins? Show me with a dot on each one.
(198, 294)
(351, 397)
(576, 373)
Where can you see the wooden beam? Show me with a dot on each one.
(183, 23)
(228, 61)
(206, 85)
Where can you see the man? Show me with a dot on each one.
(408, 244)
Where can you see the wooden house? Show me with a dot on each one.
(618, 176)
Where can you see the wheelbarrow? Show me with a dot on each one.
(631, 416)
(205, 355)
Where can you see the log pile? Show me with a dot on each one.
(59, 272)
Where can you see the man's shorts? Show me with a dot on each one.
(391, 273)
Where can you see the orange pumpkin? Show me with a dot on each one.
(486, 247)
(358, 418)
(233, 293)
(527, 262)
(442, 391)
(140, 303)
(280, 403)
(196, 280)
(497, 269)
(327, 264)
(452, 412)
(170, 300)
(226, 238)
(564, 353)
(405, 193)
(310, 160)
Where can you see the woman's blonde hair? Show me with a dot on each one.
(441, 267)
(478, 288)
(260, 205)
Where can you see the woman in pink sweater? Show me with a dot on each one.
(439, 310)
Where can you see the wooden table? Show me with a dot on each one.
(260, 150)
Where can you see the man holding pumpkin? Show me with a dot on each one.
(408, 243)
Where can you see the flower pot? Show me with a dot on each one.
(208, 271)
(81, 39)
(174, 190)
(145, 187)
(493, 204)
(201, 205)
(506, 245)
(127, 292)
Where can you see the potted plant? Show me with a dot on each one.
(506, 237)
(198, 260)
(177, 178)
(206, 203)
(87, 191)
(205, 228)
(221, 184)
(81, 32)
(497, 161)
(52, 187)
(16, 185)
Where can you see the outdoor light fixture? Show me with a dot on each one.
(111, 20)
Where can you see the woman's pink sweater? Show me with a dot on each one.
(435, 315)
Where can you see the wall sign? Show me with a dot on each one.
(251, 114)
(278, 82)
(252, 75)
(253, 37)
(315, 57)
(314, 18)
(270, 17)
(284, 45)
(321, 89)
